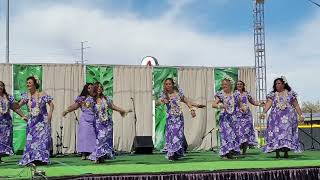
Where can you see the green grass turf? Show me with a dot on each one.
(194, 161)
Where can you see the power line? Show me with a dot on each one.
(317, 4)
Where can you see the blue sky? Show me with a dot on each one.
(223, 16)
(226, 16)
(218, 32)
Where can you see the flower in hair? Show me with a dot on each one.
(174, 80)
(284, 79)
(37, 79)
(229, 79)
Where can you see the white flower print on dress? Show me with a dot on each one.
(175, 139)
(270, 133)
(34, 146)
(284, 119)
(29, 137)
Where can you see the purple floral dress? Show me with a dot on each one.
(228, 124)
(245, 131)
(6, 128)
(174, 126)
(38, 130)
(282, 125)
(104, 131)
(86, 131)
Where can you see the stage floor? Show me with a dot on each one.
(156, 163)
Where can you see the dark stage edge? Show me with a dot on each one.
(303, 173)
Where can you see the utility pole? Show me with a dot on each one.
(7, 33)
(83, 47)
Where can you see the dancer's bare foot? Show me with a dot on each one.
(171, 158)
(277, 154)
(224, 157)
(244, 148)
(97, 161)
(230, 156)
(101, 160)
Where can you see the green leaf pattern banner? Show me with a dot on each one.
(20, 75)
(104, 75)
(159, 75)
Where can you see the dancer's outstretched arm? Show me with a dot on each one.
(15, 107)
(298, 110)
(122, 112)
(71, 108)
(195, 104)
(51, 108)
(189, 104)
(256, 103)
(216, 104)
(266, 108)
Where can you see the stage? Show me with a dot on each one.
(196, 165)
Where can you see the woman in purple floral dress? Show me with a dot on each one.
(226, 101)
(172, 97)
(86, 130)
(245, 132)
(38, 145)
(7, 103)
(282, 126)
(104, 126)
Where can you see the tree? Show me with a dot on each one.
(308, 106)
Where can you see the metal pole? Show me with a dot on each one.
(312, 143)
(7, 33)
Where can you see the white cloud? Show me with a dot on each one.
(176, 8)
(52, 33)
(124, 39)
(296, 55)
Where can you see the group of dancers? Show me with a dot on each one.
(95, 131)
(236, 122)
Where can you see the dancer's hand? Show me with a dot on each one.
(193, 113)
(261, 104)
(201, 106)
(222, 106)
(125, 113)
(301, 118)
(25, 118)
(65, 113)
(243, 109)
(165, 101)
(263, 116)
